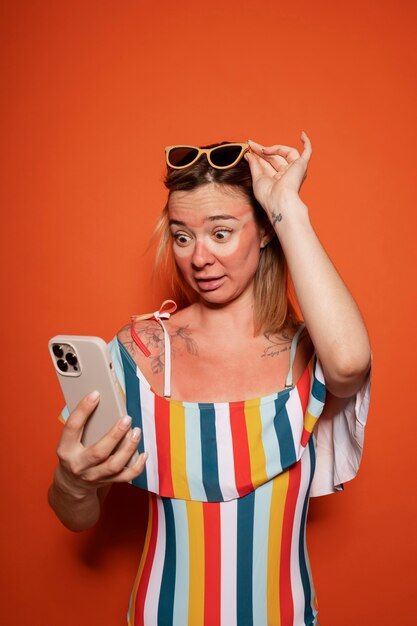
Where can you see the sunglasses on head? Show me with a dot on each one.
(221, 157)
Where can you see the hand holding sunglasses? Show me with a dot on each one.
(276, 169)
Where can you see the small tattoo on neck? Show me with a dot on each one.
(276, 218)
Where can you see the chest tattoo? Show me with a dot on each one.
(152, 336)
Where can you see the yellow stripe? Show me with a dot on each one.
(309, 421)
(178, 452)
(131, 616)
(196, 555)
(279, 494)
(256, 449)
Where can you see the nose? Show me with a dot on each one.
(202, 256)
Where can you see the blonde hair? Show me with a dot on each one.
(273, 309)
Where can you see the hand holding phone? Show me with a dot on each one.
(81, 469)
(83, 364)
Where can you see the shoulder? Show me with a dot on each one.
(150, 336)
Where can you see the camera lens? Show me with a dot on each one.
(63, 365)
(57, 350)
(71, 358)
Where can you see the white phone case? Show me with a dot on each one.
(91, 369)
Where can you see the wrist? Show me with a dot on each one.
(66, 488)
(288, 209)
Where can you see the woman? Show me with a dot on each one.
(230, 463)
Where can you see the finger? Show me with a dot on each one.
(103, 474)
(259, 166)
(308, 149)
(132, 472)
(287, 152)
(254, 164)
(75, 423)
(100, 451)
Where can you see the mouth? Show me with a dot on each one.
(210, 283)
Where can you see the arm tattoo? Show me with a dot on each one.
(276, 217)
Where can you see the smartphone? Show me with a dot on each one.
(84, 364)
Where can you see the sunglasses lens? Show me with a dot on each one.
(179, 157)
(225, 155)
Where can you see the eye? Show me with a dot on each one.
(182, 239)
(222, 234)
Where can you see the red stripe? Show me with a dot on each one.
(286, 599)
(146, 573)
(305, 437)
(240, 448)
(212, 573)
(163, 446)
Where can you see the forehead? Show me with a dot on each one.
(208, 201)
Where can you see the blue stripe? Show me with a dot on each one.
(318, 390)
(304, 570)
(209, 453)
(284, 432)
(193, 452)
(245, 521)
(167, 590)
(133, 406)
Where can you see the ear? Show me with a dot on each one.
(266, 236)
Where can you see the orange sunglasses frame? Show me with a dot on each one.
(207, 151)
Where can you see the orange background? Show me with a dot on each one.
(92, 92)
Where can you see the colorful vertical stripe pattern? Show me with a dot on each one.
(228, 498)
(236, 563)
(215, 452)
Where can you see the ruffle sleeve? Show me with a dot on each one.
(340, 437)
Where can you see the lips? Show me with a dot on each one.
(210, 283)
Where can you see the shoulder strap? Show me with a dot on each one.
(158, 316)
(288, 382)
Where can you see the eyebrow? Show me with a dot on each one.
(210, 218)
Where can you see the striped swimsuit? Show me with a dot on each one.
(228, 487)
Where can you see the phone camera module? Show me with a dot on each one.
(72, 359)
(63, 365)
(58, 351)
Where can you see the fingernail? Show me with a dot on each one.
(93, 396)
(125, 421)
(135, 434)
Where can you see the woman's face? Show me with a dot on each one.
(216, 241)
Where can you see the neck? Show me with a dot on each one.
(233, 318)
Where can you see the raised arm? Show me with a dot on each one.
(331, 315)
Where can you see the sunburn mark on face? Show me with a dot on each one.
(210, 218)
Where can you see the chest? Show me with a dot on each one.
(222, 373)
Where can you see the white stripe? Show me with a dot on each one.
(263, 497)
(318, 372)
(193, 452)
(150, 611)
(149, 437)
(296, 419)
(269, 437)
(225, 457)
(182, 575)
(228, 529)
(296, 582)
